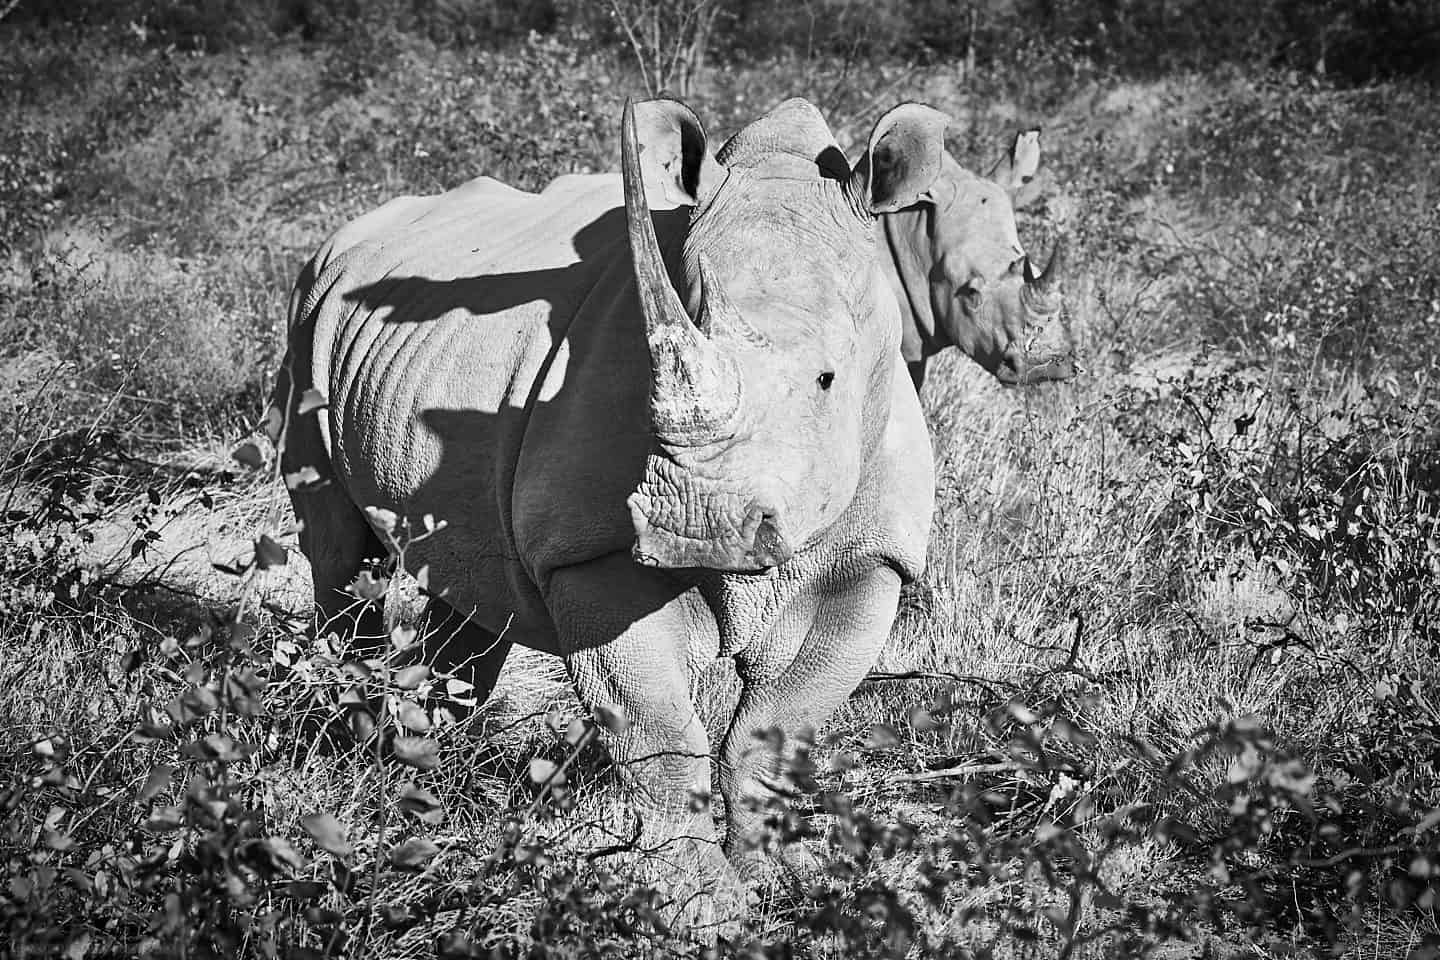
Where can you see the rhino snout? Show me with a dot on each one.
(769, 547)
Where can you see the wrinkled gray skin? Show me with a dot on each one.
(963, 279)
(639, 474)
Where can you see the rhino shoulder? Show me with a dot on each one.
(903, 480)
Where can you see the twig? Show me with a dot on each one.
(881, 677)
(963, 770)
(634, 45)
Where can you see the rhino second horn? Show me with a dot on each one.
(694, 386)
(718, 318)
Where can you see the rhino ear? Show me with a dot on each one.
(674, 156)
(905, 155)
(1018, 165)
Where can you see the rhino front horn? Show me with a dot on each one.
(695, 385)
(1042, 293)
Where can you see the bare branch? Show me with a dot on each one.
(963, 770)
(635, 46)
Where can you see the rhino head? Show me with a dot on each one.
(968, 280)
(771, 364)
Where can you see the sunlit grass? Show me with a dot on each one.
(1107, 588)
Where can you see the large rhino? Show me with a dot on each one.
(650, 453)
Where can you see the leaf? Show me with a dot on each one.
(217, 746)
(362, 724)
(191, 705)
(421, 753)
(268, 553)
(882, 736)
(367, 586)
(282, 854)
(327, 832)
(164, 819)
(1070, 733)
(543, 772)
(921, 721)
(612, 718)
(302, 478)
(243, 690)
(1021, 713)
(422, 803)
(78, 946)
(248, 455)
(310, 401)
(457, 945)
(411, 677)
(414, 853)
(395, 917)
(402, 637)
(1171, 830)
(577, 730)
(78, 879)
(304, 889)
(382, 519)
(1426, 822)
(160, 776)
(413, 717)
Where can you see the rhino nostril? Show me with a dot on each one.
(770, 544)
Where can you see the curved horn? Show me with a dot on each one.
(718, 317)
(694, 386)
(1042, 294)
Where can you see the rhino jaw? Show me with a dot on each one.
(1025, 371)
(753, 543)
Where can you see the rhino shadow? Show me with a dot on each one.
(477, 299)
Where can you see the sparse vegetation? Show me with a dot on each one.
(1168, 688)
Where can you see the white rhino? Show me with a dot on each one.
(962, 278)
(650, 454)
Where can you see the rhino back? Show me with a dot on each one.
(445, 338)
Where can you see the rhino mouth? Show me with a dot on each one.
(1024, 371)
(684, 528)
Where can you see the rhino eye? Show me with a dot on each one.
(825, 379)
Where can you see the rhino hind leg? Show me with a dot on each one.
(839, 645)
(334, 535)
(340, 545)
(458, 646)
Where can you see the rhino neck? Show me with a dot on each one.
(907, 264)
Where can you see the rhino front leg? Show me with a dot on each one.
(625, 635)
(840, 643)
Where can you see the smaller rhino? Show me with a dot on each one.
(963, 279)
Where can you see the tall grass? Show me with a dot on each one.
(1169, 679)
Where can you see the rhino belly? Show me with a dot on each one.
(427, 415)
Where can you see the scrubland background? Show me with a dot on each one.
(1168, 688)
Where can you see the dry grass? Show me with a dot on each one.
(1115, 629)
